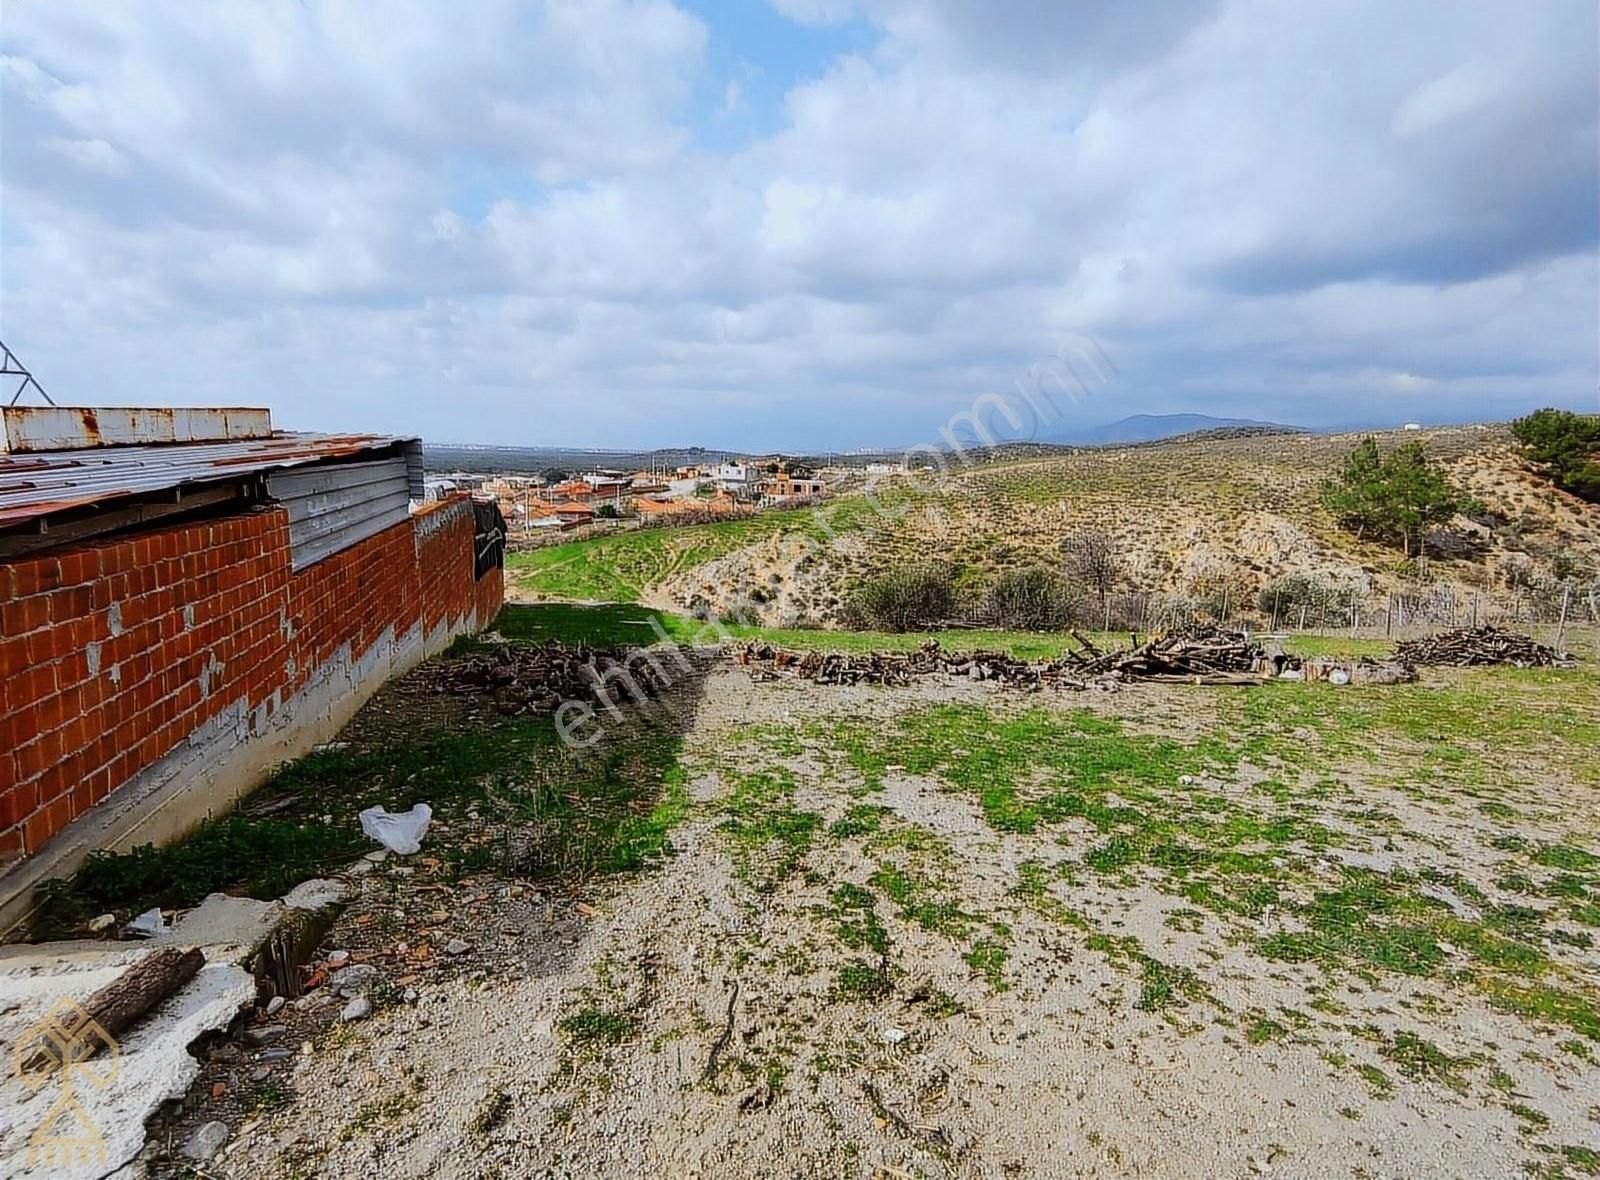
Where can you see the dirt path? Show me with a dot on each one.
(854, 973)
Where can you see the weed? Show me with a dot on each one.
(1379, 1081)
(1263, 1029)
(593, 1027)
(988, 956)
(1531, 1120)
(1421, 1060)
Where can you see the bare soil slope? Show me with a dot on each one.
(1188, 517)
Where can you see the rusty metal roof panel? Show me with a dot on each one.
(41, 484)
(36, 429)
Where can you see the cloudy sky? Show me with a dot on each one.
(799, 223)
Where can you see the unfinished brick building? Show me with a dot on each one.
(188, 598)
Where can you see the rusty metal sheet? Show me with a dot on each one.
(39, 485)
(47, 429)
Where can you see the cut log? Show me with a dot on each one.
(120, 1005)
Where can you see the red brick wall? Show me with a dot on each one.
(115, 653)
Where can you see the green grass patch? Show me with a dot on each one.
(1422, 1060)
(988, 957)
(1263, 1029)
(606, 809)
(770, 836)
(919, 902)
(593, 1027)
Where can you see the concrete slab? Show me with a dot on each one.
(317, 894)
(89, 1123)
(229, 928)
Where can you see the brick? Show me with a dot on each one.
(39, 575)
(80, 568)
(22, 615)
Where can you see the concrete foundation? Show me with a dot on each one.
(223, 760)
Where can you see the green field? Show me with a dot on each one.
(619, 567)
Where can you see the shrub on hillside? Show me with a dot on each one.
(1091, 560)
(1565, 446)
(1286, 597)
(911, 599)
(1029, 600)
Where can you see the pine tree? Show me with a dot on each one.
(1396, 498)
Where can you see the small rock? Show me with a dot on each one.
(260, 1073)
(357, 1009)
(377, 856)
(306, 1049)
(338, 958)
(275, 1005)
(893, 1036)
(353, 979)
(103, 923)
(206, 1142)
(456, 947)
(218, 1089)
(264, 1034)
(275, 1055)
(1188, 780)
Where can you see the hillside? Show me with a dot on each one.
(1155, 427)
(1190, 518)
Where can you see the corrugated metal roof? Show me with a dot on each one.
(35, 485)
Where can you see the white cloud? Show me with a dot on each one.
(500, 221)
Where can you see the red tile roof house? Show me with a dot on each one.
(189, 598)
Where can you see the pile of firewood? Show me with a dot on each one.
(1472, 646)
(1210, 653)
(536, 678)
(899, 668)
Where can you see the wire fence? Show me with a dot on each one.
(1564, 615)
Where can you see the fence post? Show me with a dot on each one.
(1475, 608)
(1388, 618)
(1561, 626)
(1225, 606)
(1302, 616)
(1276, 598)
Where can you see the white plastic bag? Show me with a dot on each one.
(148, 924)
(399, 832)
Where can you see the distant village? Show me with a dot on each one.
(559, 502)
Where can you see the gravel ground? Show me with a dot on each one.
(690, 1021)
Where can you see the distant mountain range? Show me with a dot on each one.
(1154, 427)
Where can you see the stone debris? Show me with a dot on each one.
(206, 1141)
(357, 1009)
(264, 1034)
